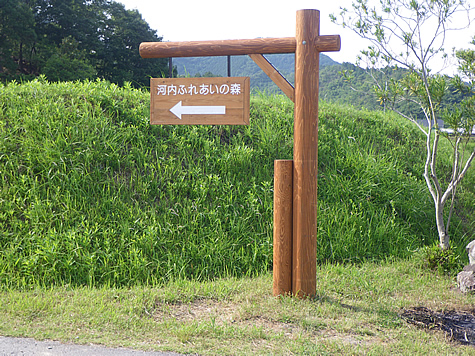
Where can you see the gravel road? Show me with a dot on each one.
(12, 346)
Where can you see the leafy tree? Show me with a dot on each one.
(410, 34)
(461, 117)
(69, 63)
(119, 60)
(17, 34)
(58, 19)
(74, 39)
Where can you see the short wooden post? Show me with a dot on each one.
(305, 154)
(282, 267)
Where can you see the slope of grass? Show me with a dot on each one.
(91, 194)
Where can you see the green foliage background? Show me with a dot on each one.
(75, 40)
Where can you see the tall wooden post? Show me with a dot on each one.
(305, 153)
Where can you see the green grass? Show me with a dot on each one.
(93, 195)
(355, 312)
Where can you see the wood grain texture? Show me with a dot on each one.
(305, 154)
(274, 75)
(282, 257)
(233, 47)
(237, 105)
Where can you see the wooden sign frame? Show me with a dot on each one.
(199, 101)
(298, 209)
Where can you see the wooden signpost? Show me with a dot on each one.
(199, 101)
(295, 182)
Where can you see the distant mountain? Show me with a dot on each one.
(333, 86)
(243, 66)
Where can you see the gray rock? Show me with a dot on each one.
(471, 252)
(466, 279)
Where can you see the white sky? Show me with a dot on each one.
(200, 20)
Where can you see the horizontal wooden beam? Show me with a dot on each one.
(274, 75)
(233, 47)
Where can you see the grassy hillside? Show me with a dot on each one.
(91, 194)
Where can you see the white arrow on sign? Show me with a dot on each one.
(179, 110)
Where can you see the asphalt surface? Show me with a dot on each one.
(12, 346)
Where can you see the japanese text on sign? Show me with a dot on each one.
(203, 89)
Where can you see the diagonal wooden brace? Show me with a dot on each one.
(274, 75)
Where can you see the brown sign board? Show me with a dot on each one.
(199, 101)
